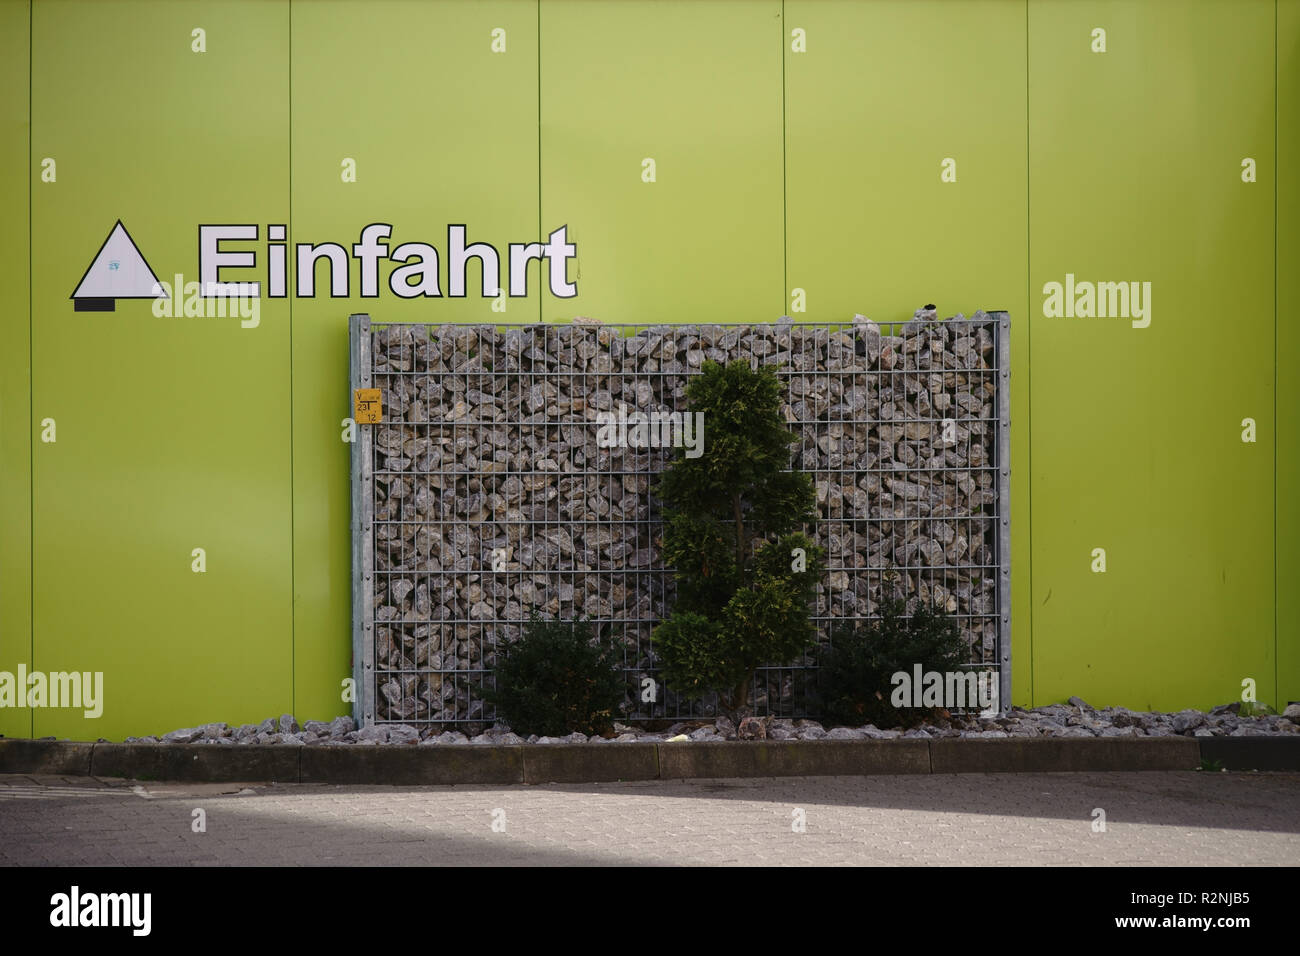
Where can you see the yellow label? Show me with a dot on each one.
(368, 408)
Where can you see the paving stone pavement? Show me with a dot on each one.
(1181, 819)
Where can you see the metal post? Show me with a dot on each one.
(363, 531)
(1002, 336)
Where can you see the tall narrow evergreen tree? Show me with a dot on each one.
(745, 576)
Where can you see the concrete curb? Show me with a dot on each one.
(1053, 754)
(409, 766)
(46, 756)
(793, 758)
(195, 764)
(585, 763)
(1253, 753)
(593, 763)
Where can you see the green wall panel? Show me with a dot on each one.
(1287, 431)
(15, 368)
(695, 87)
(443, 130)
(172, 433)
(873, 227)
(1135, 175)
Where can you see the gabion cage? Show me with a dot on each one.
(483, 495)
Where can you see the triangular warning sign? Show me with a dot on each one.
(118, 271)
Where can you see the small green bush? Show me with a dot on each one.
(558, 678)
(854, 673)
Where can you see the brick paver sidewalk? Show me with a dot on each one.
(1044, 819)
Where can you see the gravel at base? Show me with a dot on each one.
(1073, 719)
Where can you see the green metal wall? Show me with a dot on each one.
(777, 169)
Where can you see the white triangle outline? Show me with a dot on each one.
(161, 293)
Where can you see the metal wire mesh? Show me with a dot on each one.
(484, 494)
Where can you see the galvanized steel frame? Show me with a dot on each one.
(365, 667)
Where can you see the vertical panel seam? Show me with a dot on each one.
(785, 177)
(1029, 351)
(540, 294)
(31, 379)
(293, 525)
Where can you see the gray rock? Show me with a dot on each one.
(1075, 732)
(1292, 712)
(403, 734)
(1118, 732)
(1186, 720)
(725, 727)
(287, 725)
(844, 733)
(1057, 711)
(186, 736)
(704, 733)
(341, 726)
(1080, 703)
(373, 733)
(1123, 717)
